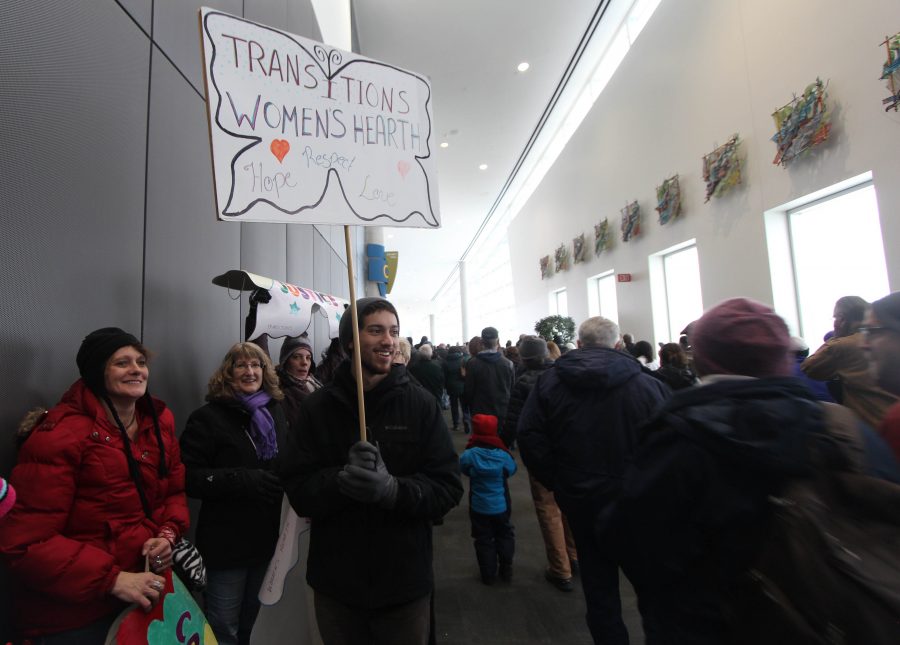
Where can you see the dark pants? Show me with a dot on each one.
(93, 634)
(406, 624)
(495, 542)
(600, 581)
(454, 408)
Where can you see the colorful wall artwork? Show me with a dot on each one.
(602, 240)
(546, 269)
(891, 72)
(631, 221)
(668, 199)
(722, 168)
(801, 124)
(578, 255)
(562, 258)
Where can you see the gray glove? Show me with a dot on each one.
(366, 479)
(363, 454)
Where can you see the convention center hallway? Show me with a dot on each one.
(527, 611)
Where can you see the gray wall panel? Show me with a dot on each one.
(177, 31)
(73, 110)
(80, 247)
(300, 254)
(72, 124)
(140, 10)
(301, 20)
(288, 15)
(263, 249)
(267, 12)
(188, 320)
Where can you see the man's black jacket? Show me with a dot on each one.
(361, 554)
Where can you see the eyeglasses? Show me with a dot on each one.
(871, 330)
(252, 365)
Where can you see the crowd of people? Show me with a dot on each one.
(662, 465)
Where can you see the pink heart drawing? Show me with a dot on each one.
(280, 148)
(403, 168)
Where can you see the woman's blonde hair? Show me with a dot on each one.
(404, 349)
(553, 350)
(220, 381)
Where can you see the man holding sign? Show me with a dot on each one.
(371, 503)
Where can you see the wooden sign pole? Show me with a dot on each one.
(357, 357)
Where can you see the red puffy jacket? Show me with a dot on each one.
(79, 520)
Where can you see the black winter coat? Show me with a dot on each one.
(489, 380)
(430, 375)
(693, 511)
(237, 527)
(361, 554)
(453, 378)
(578, 429)
(675, 377)
(524, 384)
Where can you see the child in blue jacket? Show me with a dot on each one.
(488, 463)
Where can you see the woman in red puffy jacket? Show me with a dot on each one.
(100, 489)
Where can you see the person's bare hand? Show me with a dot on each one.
(159, 551)
(141, 588)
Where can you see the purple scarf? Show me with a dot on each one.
(262, 425)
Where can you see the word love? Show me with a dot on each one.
(377, 194)
(264, 183)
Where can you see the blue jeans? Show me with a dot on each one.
(232, 602)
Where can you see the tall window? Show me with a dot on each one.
(559, 303)
(837, 250)
(602, 296)
(675, 284)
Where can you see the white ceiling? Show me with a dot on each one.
(483, 107)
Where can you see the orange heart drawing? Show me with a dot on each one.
(403, 168)
(280, 148)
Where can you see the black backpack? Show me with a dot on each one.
(829, 572)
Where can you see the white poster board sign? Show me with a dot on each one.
(298, 128)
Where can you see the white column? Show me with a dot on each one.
(431, 329)
(333, 17)
(464, 301)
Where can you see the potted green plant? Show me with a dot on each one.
(550, 327)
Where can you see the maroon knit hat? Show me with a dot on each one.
(741, 336)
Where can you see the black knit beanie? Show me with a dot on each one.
(95, 350)
(363, 309)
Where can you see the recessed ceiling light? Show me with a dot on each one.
(390, 236)
(482, 166)
(444, 144)
(523, 67)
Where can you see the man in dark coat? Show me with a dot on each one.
(489, 378)
(372, 503)
(429, 372)
(694, 509)
(562, 557)
(577, 433)
(453, 381)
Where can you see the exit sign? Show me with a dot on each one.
(623, 277)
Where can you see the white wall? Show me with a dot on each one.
(699, 72)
